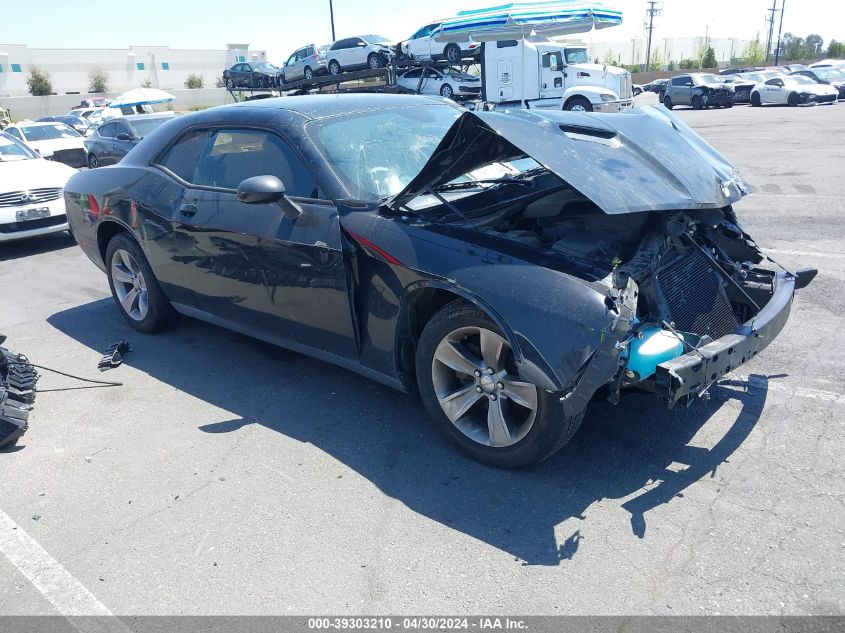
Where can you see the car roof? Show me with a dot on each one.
(146, 117)
(322, 106)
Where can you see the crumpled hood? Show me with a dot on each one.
(646, 159)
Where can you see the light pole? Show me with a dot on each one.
(651, 11)
(331, 15)
(780, 28)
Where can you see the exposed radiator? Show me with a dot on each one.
(695, 297)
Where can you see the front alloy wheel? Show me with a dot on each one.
(446, 91)
(470, 385)
(471, 368)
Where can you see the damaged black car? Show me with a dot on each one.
(507, 266)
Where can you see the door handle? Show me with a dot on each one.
(188, 210)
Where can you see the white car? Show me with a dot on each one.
(31, 192)
(792, 90)
(446, 82)
(356, 53)
(54, 141)
(421, 45)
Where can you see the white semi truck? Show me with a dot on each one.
(547, 74)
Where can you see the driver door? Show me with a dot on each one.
(254, 269)
(775, 91)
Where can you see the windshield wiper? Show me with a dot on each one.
(468, 184)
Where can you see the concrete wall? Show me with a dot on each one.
(164, 67)
(34, 107)
(633, 51)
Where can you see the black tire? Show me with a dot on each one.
(729, 104)
(697, 102)
(551, 428)
(160, 314)
(578, 104)
(661, 96)
(667, 103)
(334, 67)
(93, 161)
(230, 83)
(308, 73)
(375, 61)
(792, 99)
(452, 53)
(755, 100)
(447, 91)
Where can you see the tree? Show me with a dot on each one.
(194, 82)
(709, 59)
(612, 59)
(147, 83)
(754, 53)
(792, 47)
(671, 65)
(813, 45)
(220, 83)
(39, 82)
(836, 49)
(98, 81)
(688, 64)
(656, 60)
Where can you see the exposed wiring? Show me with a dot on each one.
(100, 383)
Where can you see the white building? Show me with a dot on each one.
(164, 67)
(674, 49)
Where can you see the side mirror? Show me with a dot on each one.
(123, 136)
(266, 190)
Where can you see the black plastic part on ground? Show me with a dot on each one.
(17, 393)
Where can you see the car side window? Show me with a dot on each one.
(308, 52)
(181, 158)
(355, 41)
(774, 82)
(430, 73)
(291, 60)
(340, 44)
(679, 81)
(107, 130)
(232, 155)
(14, 132)
(413, 74)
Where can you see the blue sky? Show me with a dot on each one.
(280, 26)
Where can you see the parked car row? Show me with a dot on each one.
(802, 86)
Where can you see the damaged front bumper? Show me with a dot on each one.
(693, 373)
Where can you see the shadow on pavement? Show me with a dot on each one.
(35, 245)
(386, 437)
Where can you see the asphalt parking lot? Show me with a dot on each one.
(229, 477)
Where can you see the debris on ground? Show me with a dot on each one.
(17, 393)
(114, 355)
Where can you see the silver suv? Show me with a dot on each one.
(305, 63)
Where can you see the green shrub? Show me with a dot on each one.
(39, 82)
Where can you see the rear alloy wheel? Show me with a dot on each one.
(452, 53)
(578, 104)
(93, 161)
(667, 102)
(375, 61)
(446, 91)
(697, 102)
(334, 67)
(469, 383)
(308, 73)
(755, 99)
(134, 287)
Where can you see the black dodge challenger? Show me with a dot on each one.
(509, 266)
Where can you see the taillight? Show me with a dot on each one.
(93, 205)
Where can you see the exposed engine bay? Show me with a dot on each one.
(696, 275)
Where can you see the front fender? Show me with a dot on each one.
(592, 93)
